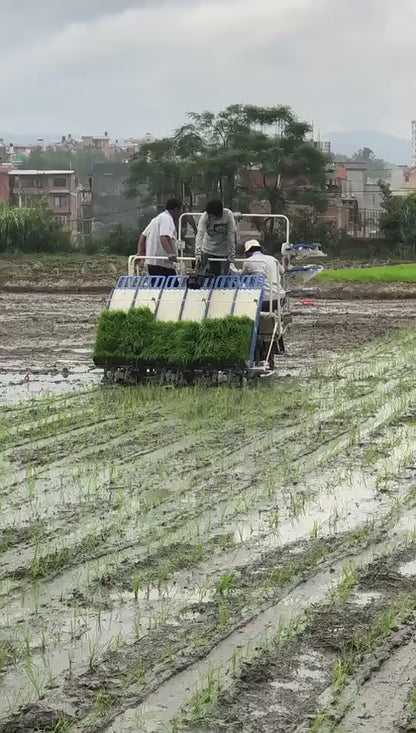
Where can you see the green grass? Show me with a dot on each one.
(390, 273)
(136, 337)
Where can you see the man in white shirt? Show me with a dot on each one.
(258, 263)
(159, 240)
(215, 239)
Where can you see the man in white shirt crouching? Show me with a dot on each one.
(258, 263)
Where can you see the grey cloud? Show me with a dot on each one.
(142, 65)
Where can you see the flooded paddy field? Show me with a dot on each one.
(45, 334)
(208, 559)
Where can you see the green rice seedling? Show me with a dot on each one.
(139, 672)
(234, 663)
(36, 598)
(93, 653)
(412, 701)
(137, 627)
(320, 720)
(348, 580)
(386, 622)
(224, 616)
(274, 519)
(63, 725)
(117, 642)
(339, 675)
(102, 706)
(196, 553)
(315, 530)
(70, 665)
(136, 585)
(297, 504)
(136, 336)
(225, 584)
(204, 699)
(358, 536)
(164, 573)
(34, 675)
(169, 654)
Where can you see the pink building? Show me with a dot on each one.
(97, 142)
(409, 179)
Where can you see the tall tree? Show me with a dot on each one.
(376, 167)
(81, 161)
(244, 151)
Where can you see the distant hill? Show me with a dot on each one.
(393, 149)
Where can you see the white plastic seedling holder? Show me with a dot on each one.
(133, 259)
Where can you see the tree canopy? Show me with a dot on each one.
(398, 221)
(80, 161)
(377, 168)
(244, 155)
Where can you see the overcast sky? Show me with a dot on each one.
(132, 66)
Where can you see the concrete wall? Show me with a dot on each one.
(4, 185)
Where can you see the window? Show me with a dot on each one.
(64, 220)
(59, 183)
(60, 202)
(31, 182)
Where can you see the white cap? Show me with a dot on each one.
(250, 244)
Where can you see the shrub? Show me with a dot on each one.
(135, 337)
(31, 230)
(119, 240)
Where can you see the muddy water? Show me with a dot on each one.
(94, 495)
(45, 334)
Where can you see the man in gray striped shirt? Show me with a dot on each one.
(215, 239)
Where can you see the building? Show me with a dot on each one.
(4, 183)
(404, 181)
(413, 142)
(132, 145)
(355, 182)
(110, 205)
(101, 143)
(323, 145)
(57, 187)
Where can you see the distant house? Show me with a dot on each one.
(4, 183)
(110, 206)
(58, 187)
(404, 182)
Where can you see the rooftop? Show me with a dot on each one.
(24, 172)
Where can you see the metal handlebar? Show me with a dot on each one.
(134, 258)
(238, 217)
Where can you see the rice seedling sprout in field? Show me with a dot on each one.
(412, 701)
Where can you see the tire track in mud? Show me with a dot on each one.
(378, 705)
(309, 682)
(242, 450)
(165, 703)
(57, 662)
(322, 453)
(351, 521)
(74, 499)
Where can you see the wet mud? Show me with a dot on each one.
(202, 559)
(47, 338)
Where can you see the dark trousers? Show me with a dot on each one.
(158, 270)
(265, 308)
(213, 268)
